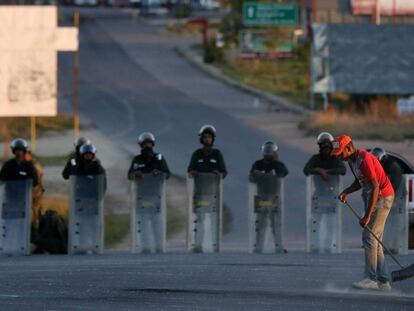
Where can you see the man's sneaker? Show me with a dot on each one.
(366, 284)
(386, 287)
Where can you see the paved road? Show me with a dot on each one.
(229, 281)
(132, 80)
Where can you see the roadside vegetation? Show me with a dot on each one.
(374, 119)
(364, 116)
(288, 78)
(11, 127)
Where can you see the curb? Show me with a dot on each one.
(214, 72)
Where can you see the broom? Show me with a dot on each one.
(397, 275)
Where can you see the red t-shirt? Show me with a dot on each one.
(370, 168)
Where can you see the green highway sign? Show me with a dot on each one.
(269, 14)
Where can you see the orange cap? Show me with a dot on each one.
(339, 144)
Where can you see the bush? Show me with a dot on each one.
(230, 27)
(212, 53)
(182, 11)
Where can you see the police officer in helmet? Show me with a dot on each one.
(207, 159)
(391, 167)
(270, 164)
(148, 161)
(323, 163)
(18, 168)
(75, 157)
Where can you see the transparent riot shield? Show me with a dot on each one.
(397, 226)
(204, 230)
(266, 214)
(86, 225)
(16, 203)
(148, 214)
(323, 214)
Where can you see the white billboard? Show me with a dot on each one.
(29, 42)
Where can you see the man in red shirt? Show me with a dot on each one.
(378, 196)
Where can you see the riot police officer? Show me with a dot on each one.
(18, 168)
(266, 174)
(207, 159)
(391, 167)
(74, 158)
(205, 162)
(149, 171)
(148, 161)
(323, 163)
(88, 164)
(88, 180)
(270, 164)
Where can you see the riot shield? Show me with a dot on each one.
(16, 203)
(266, 214)
(397, 226)
(86, 225)
(323, 214)
(148, 214)
(204, 229)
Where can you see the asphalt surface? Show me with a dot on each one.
(132, 81)
(229, 281)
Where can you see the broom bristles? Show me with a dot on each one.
(403, 274)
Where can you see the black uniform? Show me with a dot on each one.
(92, 167)
(394, 172)
(141, 164)
(12, 170)
(203, 161)
(274, 167)
(330, 163)
(70, 166)
(85, 168)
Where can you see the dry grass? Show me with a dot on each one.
(116, 225)
(289, 78)
(56, 203)
(193, 29)
(359, 126)
(20, 126)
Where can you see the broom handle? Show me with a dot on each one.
(376, 238)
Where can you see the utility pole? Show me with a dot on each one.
(75, 86)
(377, 13)
(314, 11)
(33, 133)
(394, 11)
